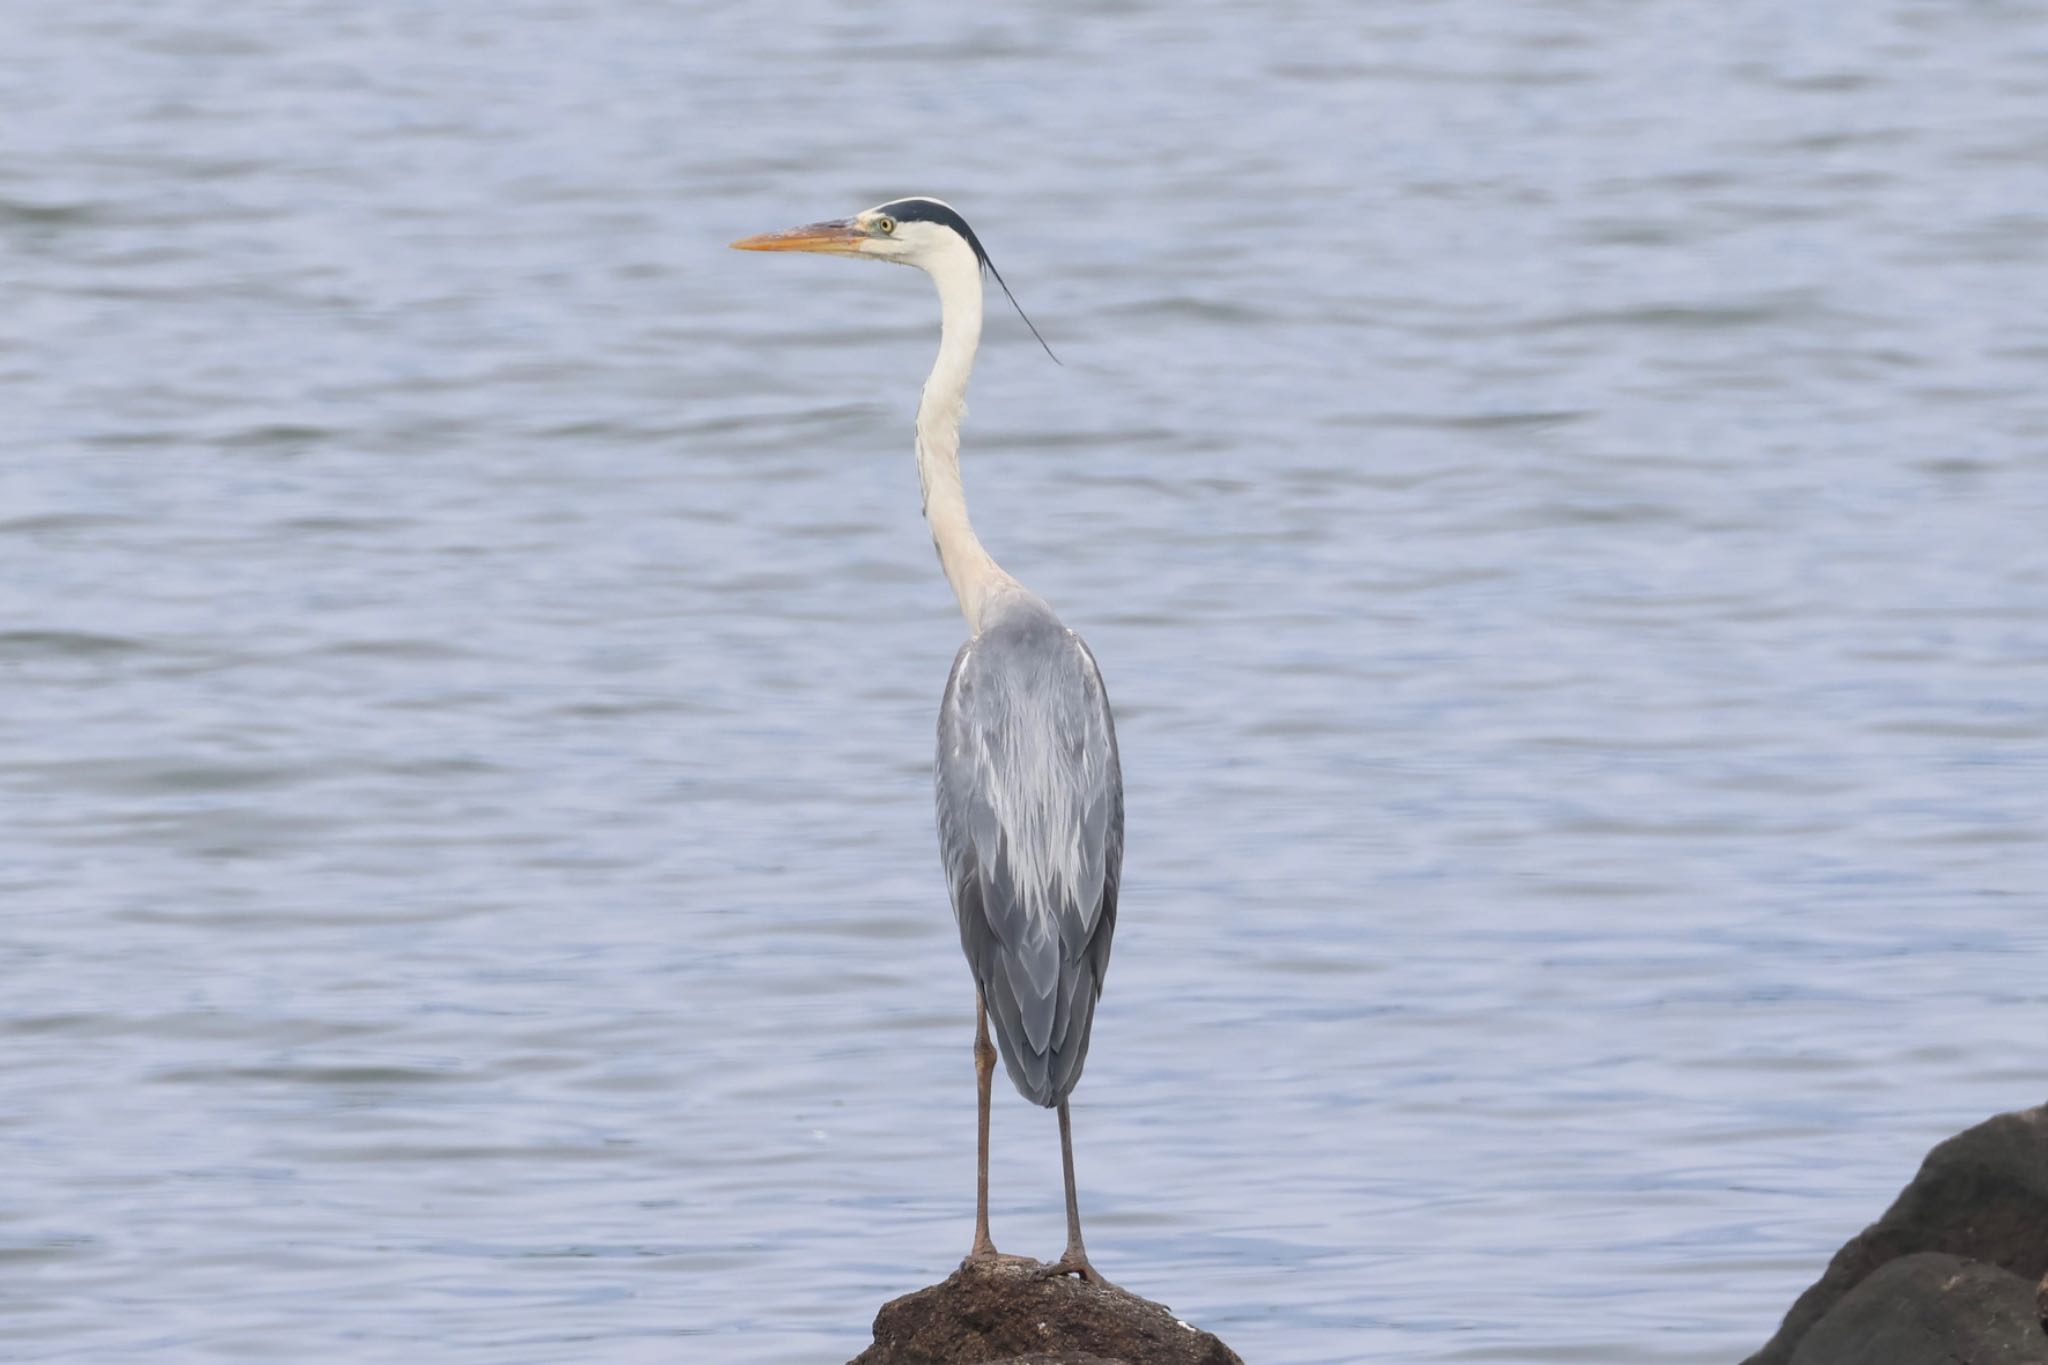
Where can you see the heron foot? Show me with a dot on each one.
(1076, 1262)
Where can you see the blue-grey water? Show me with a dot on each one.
(1559, 493)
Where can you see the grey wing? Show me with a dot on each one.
(1031, 816)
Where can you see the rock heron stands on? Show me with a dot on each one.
(1030, 800)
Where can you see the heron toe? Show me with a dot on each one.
(1077, 1263)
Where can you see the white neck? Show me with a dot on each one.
(976, 578)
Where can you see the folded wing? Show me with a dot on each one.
(1030, 807)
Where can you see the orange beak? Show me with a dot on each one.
(840, 238)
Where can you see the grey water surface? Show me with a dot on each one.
(1559, 493)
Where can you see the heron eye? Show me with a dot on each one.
(885, 226)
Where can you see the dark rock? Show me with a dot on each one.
(1982, 1196)
(1930, 1309)
(1004, 1313)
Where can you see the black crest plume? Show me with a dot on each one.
(932, 211)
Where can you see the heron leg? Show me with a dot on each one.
(984, 1071)
(1074, 1261)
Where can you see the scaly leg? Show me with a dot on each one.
(984, 1071)
(1075, 1260)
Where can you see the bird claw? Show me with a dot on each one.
(1076, 1263)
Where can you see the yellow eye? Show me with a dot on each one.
(885, 226)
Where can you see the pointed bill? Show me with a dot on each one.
(841, 237)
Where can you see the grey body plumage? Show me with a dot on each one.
(1030, 798)
(1031, 827)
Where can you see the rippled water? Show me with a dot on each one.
(1557, 491)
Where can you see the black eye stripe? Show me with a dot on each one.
(932, 211)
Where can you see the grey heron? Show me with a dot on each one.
(1030, 797)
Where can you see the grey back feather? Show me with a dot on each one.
(1031, 826)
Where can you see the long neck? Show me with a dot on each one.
(975, 577)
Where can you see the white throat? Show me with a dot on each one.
(976, 578)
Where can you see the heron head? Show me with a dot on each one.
(927, 233)
(909, 231)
